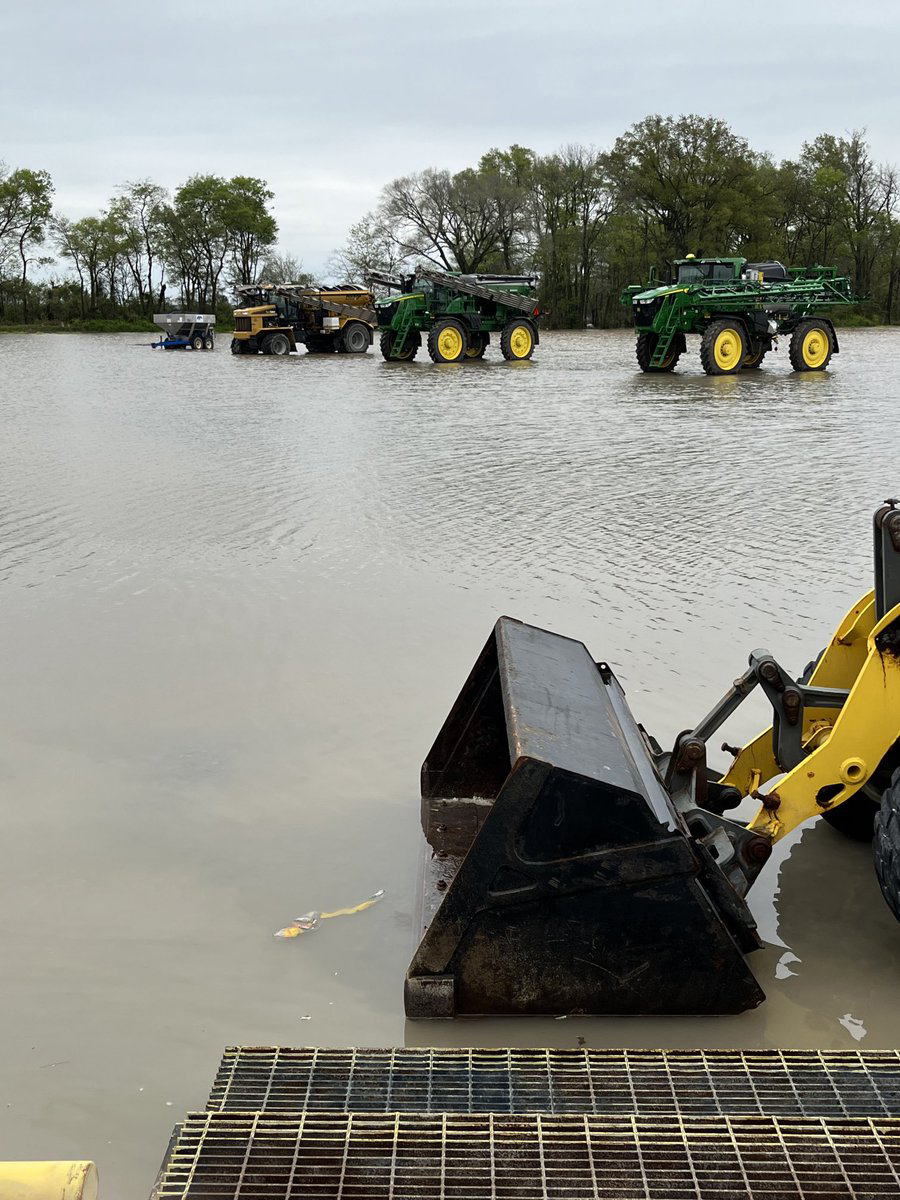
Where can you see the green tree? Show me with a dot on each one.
(370, 246)
(696, 179)
(139, 210)
(251, 227)
(26, 207)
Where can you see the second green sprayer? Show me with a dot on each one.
(738, 309)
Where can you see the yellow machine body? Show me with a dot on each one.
(316, 317)
(845, 747)
(64, 1180)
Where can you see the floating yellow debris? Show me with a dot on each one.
(311, 920)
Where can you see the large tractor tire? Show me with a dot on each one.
(753, 359)
(886, 845)
(855, 818)
(278, 344)
(354, 338)
(646, 344)
(478, 343)
(811, 346)
(723, 348)
(240, 346)
(517, 341)
(447, 341)
(407, 354)
(320, 343)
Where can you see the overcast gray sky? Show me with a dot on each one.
(329, 100)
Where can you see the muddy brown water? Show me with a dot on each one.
(238, 599)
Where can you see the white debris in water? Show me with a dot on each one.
(854, 1026)
(307, 1017)
(782, 967)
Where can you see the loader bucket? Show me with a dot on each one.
(557, 875)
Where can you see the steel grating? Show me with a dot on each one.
(786, 1083)
(316, 1156)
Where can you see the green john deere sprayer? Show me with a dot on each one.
(457, 313)
(739, 309)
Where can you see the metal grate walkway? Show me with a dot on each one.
(681, 1083)
(315, 1156)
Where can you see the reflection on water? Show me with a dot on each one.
(239, 597)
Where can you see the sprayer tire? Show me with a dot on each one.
(646, 344)
(753, 359)
(354, 338)
(386, 341)
(811, 346)
(723, 348)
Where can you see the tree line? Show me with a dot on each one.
(589, 221)
(140, 253)
(585, 221)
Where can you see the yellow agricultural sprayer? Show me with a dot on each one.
(573, 865)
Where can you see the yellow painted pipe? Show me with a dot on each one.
(48, 1181)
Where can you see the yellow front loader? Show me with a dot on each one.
(573, 865)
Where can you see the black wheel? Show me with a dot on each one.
(886, 846)
(811, 346)
(447, 341)
(517, 341)
(208, 343)
(478, 343)
(239, 346)
(407, 354)
(855, 818)
(355, 338)
(646, 344)
(276, 343)
(320, 343)
(197, 341)
(756, 352)
(723, 348)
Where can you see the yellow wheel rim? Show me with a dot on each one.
(450, 343)
(728, 350)
(815, 348)
(473, 351)
(521, 341)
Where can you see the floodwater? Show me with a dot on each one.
(238, 599)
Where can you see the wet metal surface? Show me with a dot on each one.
(238, 600)
(530, 1157)
(682, 1083)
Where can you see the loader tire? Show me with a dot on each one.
(754, 357)
(319, 343)
(354, 338)
(447, 341)
(407, 354)
(517, 341)
(886, 845)
(239, 346)
(811, 346)
(646, 344)
(855, 818)
(723, 348)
